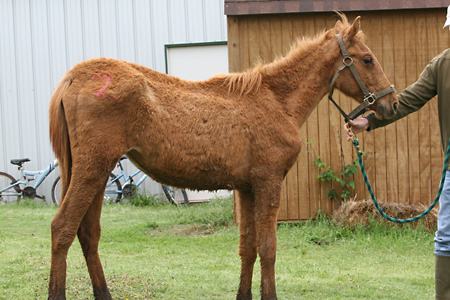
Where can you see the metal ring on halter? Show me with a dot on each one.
(344, 61)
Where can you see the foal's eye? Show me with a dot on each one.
(368, 61)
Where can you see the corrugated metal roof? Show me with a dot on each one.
(250, 7)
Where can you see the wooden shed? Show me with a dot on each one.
(404, 160)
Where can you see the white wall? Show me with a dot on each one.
(198, 62)
(41, 39)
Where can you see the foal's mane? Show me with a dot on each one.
(249, 82)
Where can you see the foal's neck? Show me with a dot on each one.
(302, 79)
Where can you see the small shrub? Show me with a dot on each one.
(344, 178)
(146, 200)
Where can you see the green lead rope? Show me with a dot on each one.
(372, 194)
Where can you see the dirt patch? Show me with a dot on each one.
(352, 213)
(193, 230)
(188, 230)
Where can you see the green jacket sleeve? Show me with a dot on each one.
(412, 98)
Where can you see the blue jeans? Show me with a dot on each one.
(442, 238)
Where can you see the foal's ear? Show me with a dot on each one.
(338, 26)
(354, 29)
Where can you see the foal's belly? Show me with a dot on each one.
(194, 173)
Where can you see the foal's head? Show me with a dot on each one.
(368, 68)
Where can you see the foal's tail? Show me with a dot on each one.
(59, 134)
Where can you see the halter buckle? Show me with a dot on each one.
(370, 96)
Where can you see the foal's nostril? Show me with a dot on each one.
(394, 107)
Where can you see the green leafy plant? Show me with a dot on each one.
(344, 179)
(146, 200)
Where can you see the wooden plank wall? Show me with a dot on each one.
(404, 159)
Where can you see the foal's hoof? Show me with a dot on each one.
(102, 294)
(267, 297)
(58, 297)
(244, 296)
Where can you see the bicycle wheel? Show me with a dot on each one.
(113, 193)
(56, 191)
(11, 194)
(174, 194)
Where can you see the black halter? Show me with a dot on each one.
(369, 98)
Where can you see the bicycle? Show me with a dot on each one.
(115, 191)
(13, 190)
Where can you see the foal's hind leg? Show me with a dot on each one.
(65, 225)
(89, 236)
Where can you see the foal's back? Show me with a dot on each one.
(184, 133)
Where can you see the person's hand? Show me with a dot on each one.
(357, 125)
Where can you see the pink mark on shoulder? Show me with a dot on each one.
(99, 93)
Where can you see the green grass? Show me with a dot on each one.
(167, 252)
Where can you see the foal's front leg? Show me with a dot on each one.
(267, 202)
(248, 244)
